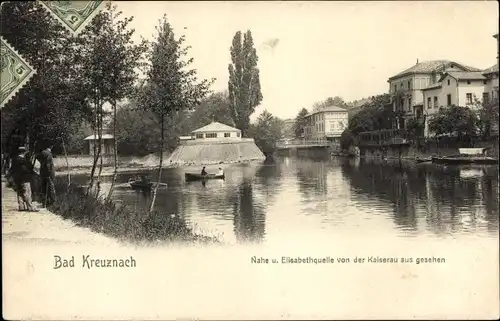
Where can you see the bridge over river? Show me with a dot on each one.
(394, 142)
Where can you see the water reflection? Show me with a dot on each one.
(299, 196)
(430, 197)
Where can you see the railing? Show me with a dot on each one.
(383, 137)
(320, 142)
(219, 140)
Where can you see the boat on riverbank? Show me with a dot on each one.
(461, 159)
(199, 177)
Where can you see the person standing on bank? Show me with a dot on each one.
(22, 174)
(47, 176)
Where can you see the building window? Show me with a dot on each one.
(468, 82)
(332, 126)
(485, 82)
(395, 88)
(409, 102)
(409, 84)
(468, 98)
(429, 102)
(211, 135)
(238, 134)
(341, 125)
(227, 134)
(435, 102)
(199, 135)
(448, 99)
(448, 82)
(486, 97)
(401, 85)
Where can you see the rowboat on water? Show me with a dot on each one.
(199, 177)
(139, 184)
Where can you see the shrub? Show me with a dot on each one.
(117, 221)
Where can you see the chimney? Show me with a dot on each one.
(417, 62)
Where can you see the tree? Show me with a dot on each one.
(347, 139)
(415, 127)
(138, 130)
(215, 107)
(330, 101)
(455, 120)
(266, 131)
(488, 118)
(244, 81)
(122, 61)
(300, 123)
(170, 87)
(51, 105)
(376, 115)
(47, 108)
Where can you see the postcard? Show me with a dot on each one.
(250, 160)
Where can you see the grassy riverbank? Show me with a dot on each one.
(120, 222)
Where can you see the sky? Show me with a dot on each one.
(312, 50)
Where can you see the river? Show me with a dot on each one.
(311, 199)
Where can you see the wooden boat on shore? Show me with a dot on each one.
(458, 160)
(199, 177)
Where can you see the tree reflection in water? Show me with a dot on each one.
(249, 210)
(343, 194)
(449, 202)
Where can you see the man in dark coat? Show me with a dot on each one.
(47, 176)
(22, 174)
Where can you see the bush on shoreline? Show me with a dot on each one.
(118, 221)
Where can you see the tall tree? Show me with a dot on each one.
(300, 123)
(171, 86)
(124, 59)
(95, 64)
(244, 81)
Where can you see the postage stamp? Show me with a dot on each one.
(74, 15)
(16, 72)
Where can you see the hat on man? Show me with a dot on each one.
(21, 149)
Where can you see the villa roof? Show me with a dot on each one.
(430, 66)
(95, 137)
(327, 109)
(465, 75)
(360, 103)
(216, 127)
(433, 86)
(491, 70)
